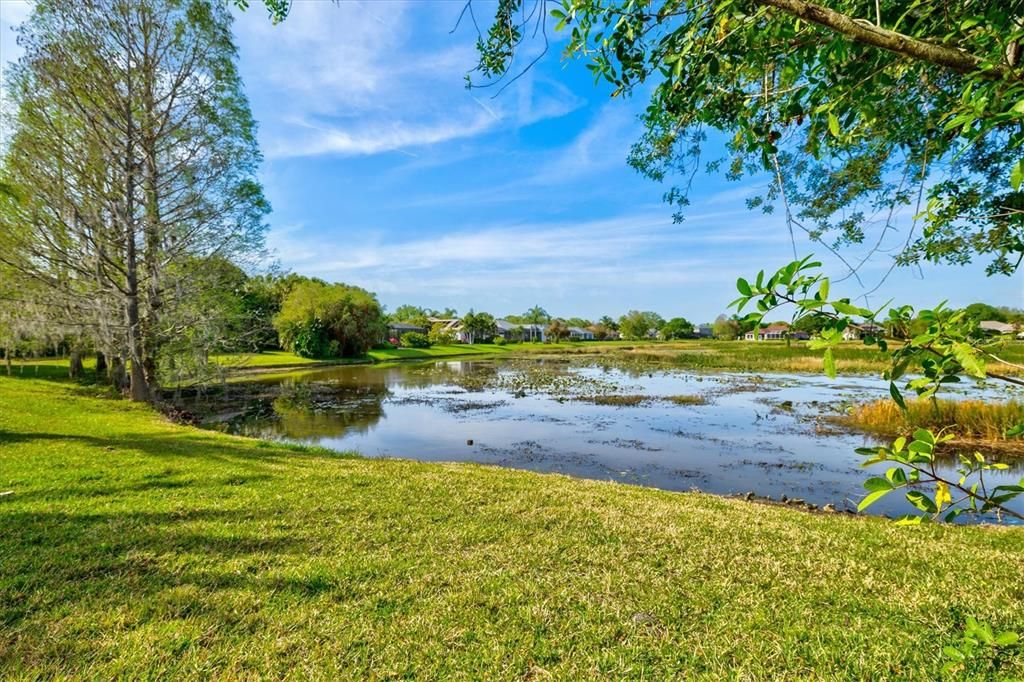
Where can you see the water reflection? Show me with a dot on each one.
(767, 434)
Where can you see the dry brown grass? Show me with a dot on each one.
(969, 420)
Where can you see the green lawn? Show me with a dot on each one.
(132, 547)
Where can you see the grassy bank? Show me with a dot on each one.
(975, 422)
(737, 356)
(133, 547)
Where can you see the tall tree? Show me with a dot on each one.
(479, 326)
(133, 154)
(636, 324)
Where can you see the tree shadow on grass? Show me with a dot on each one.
(186, 444)
(54, 560)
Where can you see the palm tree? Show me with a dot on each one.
(536, 316)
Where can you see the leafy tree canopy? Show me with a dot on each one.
(638, 325)
(479, 326)
(861, 111)
(984, 311)
(677, 328)
(326, 320)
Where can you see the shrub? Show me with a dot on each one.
(500, 340)
(415, 340)
(320, 320)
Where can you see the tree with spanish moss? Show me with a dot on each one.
(133, 156)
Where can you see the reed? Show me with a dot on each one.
(974, 420)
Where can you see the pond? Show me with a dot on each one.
(725, 433)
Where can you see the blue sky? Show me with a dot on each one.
(385, 172)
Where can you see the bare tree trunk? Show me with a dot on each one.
(152, 224)
(75, 364)
(7, 360)
(117, 374)
(101, 365)
(138, 388)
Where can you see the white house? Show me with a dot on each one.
(703, 331)
(858, 332)
(772, 332)
(580, 334)
(995, 327)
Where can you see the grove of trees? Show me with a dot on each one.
(130, 182)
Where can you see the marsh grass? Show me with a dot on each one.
(618, 400)
(136, 548)
(687, 399)
(970, 420)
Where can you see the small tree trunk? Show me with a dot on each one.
(101, 365)
(117, 374)
(7, 360)
(75, 365)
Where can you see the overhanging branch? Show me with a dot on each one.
(892, 41)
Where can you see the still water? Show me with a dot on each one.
(767, 434)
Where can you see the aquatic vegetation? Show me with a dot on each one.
(687, 399)
(969, 420)
(618, 400)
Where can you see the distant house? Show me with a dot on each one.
(772, 332)
(396, 329)
(534, 332)
(580, 334)
(703, 331)
(510, 331)
(994, 327)
(451, 326)
(858, 332)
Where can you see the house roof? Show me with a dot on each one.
(405, 326)
(506, 326)
(448, 324)
(996, 326)
(775, 328)
(580, 330)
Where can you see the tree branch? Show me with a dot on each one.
(862, 31)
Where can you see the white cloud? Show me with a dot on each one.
(373, 138)
(360, 78)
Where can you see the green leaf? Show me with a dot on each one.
(830, 364)
(897, 396)
(922, 501)
(1007, 638)
(925, 436)
(921, 447)
(1017, 175)
(953, 653)
(968, 357)
(833, 125)
(872, 498)
(744, 287)
(877, 483)
(896, 476)
(846, 308)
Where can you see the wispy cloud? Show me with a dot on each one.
(365, 78)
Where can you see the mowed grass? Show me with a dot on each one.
(135, 548)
